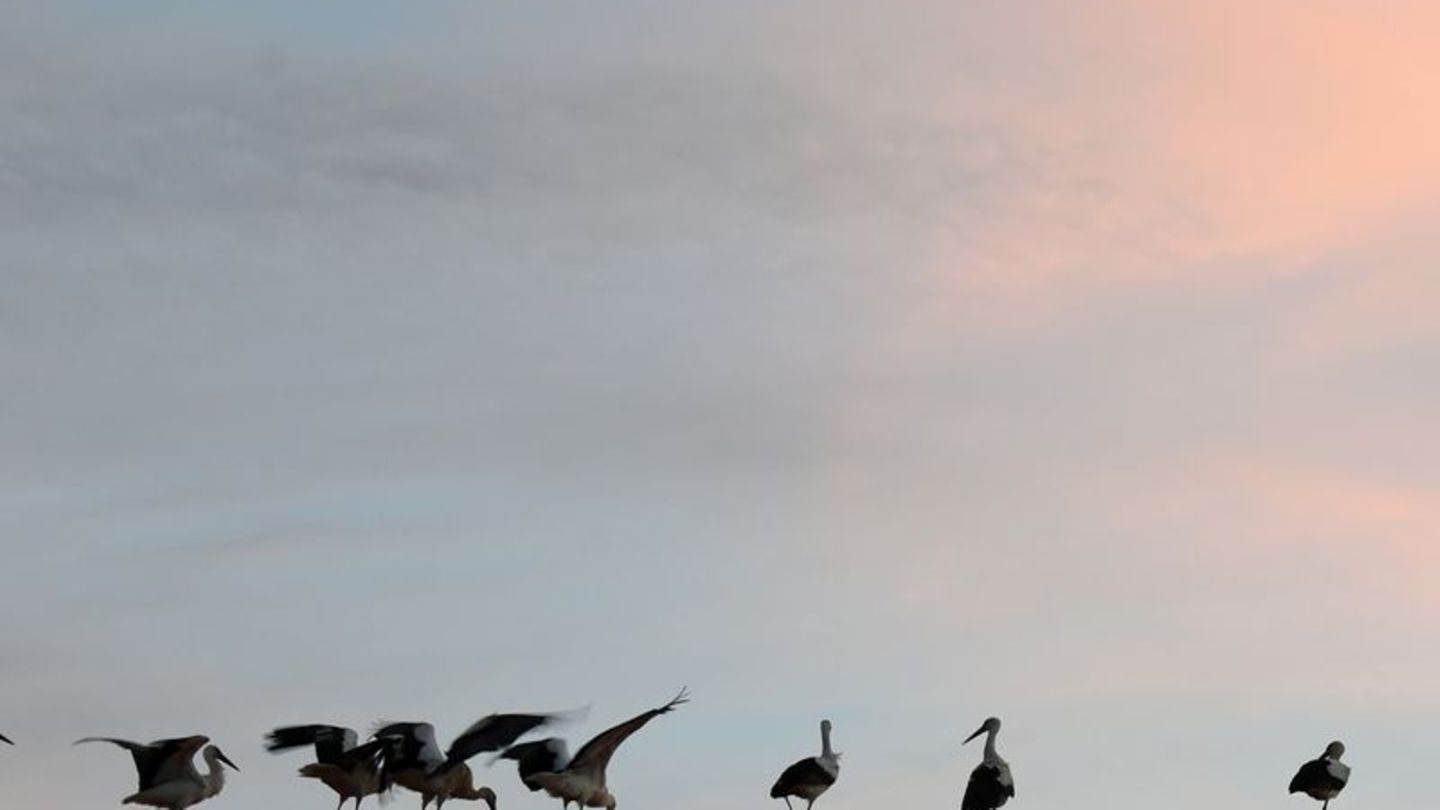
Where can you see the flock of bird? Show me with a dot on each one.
(408, 755)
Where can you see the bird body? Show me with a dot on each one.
(349, 769)
(166, 769)
(810, 777)
(581, 781)
(1322, 779)
(991, 784)
(549, 755)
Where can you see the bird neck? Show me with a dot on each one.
(214, 776)
(990, 753)
(825, 750)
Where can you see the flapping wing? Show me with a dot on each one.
(331, 742)
(594, 756)
(494, 733)
(414, 747)
(159, 761)
(549, 755)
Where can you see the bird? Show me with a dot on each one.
(353, 771)
(809, 777)
(1323, 778)
(166, 768)
(582, 780)
(549, 755)
(990, 783)
(412, 757)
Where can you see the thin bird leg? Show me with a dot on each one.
(787, 802)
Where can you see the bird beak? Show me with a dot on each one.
(5, 740)
(220, 756)
(977, 733)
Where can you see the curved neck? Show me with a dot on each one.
(214, 775)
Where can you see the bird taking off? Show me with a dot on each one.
(166, 768)
(412, 757)
(1322, 779)
(349, 769)
(809, 777)
(582, 779)
(990, 783)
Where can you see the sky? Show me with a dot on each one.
(898, 363)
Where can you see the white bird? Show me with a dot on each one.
(166, 768)
(351, 770)
(990, 783)
(412, 757)
(809, 777)
(1323, 778)
(582, 779)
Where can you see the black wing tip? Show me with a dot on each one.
(680, 699)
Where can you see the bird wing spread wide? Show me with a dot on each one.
(595, 755)
(155, 763)
(493, 733)
(330, 742)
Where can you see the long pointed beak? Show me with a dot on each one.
(220, 756)
(5, 740)
(977, 733)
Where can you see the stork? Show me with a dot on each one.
(166, 768)
(582, 780)
(809, 777)
(352, 771)
(413, 760)
(990, 783)
(1323, 779)
(549, 755)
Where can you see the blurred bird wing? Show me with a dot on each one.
(417, 747)
(330, 742)
(594, 756)
(495, 732)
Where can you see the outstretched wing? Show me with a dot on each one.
(331, 742)
(160, 761)
(549, 755)
(494, 733)
(414, 746)
(594, 756)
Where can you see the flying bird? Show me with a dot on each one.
(166, 768)
(809, 777)
(582, 780)
(1323, 778)
(351, 770)
(412, 757)
(990, 783)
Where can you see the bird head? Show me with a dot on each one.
(486, 795)
(990, 726)
(213, 753)
(1335, 750)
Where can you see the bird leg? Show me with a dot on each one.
(788, 805)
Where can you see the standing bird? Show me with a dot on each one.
(1323, 778)
(582, 779)
(990, 783)
(809, 777)
(352, 771)
(412, 757)
(166, 768)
